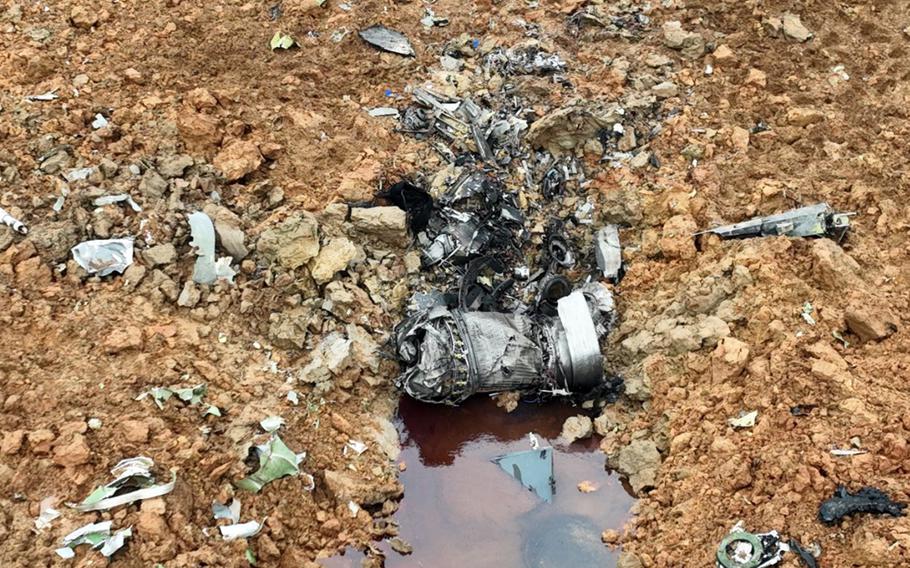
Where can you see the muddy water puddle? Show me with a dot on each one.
(460, 509)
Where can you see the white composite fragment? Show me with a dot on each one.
(847, 452)
(116, 542)
(47, 514)
(104, 257)
(744, 420)
(354, 508)
(241, 530)
(230, 512)
(276, 460)
(100, 122)
(61, 200)
(272, 423)
(293, 398)
(355, 446)
(44, 97)
(78, 174)
(118, 198)
(207, 269)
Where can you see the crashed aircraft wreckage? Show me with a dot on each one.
(818, 220)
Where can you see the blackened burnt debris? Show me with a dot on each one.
(866, 500)
(511, 297)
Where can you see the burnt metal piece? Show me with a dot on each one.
(804, 555)
(817, 220)
(448, 355)
(417, 202)
(866, 500)
(554, 182)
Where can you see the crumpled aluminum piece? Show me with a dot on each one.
(12, 222)
(387, 39)
(104, 257)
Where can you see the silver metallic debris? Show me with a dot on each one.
(100, 122)
(98, 535)
(231, 512)
(276, 460)
(387, 39)
(608, 252)
(132, 475)
(242, 530)
(104, 257)
(533, 469)
(742, 549)
(817, 220)
(448, 355)
(78, 174)
(12, 222)
(207, 270)
(383, 111)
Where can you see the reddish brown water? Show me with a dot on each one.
(460, 510)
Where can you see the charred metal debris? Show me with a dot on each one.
(818, 220)
(511, 298)
(866, 500)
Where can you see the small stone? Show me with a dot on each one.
(576, 428)
(123, 339)
(639, 462)
(388, 224)
(723, 54)
(75, 453)
(665, 90)
(677, 240)
(400, 546)
(868, 322)
(756, 78)
(160, 255)
(833, 267)
(133, 76)
(12, 442)
(804, 116)
(152, 185)
(350, 486)
(201, 98)
(610, 536)
(80, 80)
(729, 359)
(227, 227)
(794, 28)
(83, 17)
(238, 160)
(628, 560)
(587, 486)
(640, 160)
(690, 44)
(293, 243)
(334, 257)
(56, 163)
(174, 166)
(40, 441)
(189, 296)
(739, 139)
(135, 431)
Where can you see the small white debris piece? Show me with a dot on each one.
(11, 221)
(47, 514)
(133, 473)
(100, 122)
(78, 174)
(116, 542)
(98, 535)
(61, 200)
(384, 111)
(242, 530)
(293, 398)
(387, 39)
(744, 420)
(118, 198)
(231, 512)
(846, 453)
(272, 423)
(807, 313)
(207, 269)
(104, 257)
(48, 96)
(535, 443)
(94, 423)
(355, 446)
(354, 508)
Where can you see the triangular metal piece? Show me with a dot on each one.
(533, 469)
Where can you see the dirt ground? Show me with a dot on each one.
(757, 119)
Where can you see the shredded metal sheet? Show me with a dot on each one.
(104, 257)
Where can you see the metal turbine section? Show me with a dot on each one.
(448, 355)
